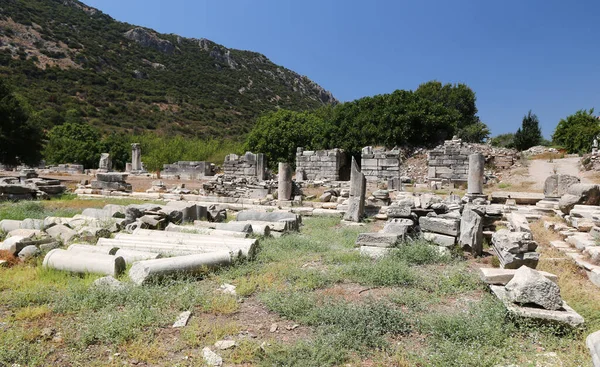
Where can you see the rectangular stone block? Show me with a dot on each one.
(446, 226)
(378, 239)
(440, 239)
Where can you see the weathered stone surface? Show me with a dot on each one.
(471, 230)
(211, 358)
(284, 187)
(475, 179)
(356, 200)
(61, 232)
(521, 198)
(225, 344)
(587, 194)
(518, 223)
(440, 225)
(398, 226)
(440, 239)
(28, 252)
(556, 186)
(566, 316)
(514, 242)
(503, 276)
(528, 286)
(182, 319)
(593, 344)
(7, 225)
(108, 282)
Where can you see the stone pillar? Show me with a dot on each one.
(261, 164)
(475, 180)
(136, 157)
(284, 188)
(358, 187)
(471, 230)
(128, 167)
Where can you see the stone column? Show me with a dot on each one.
(284, 188)
(261, 165)
(136, 157)
(358, 187)
(105, 164)
(475, 180)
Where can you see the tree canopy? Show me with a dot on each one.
(21, 137)
(425, 117)
(74, 142)
(529, 134)
(576, 132)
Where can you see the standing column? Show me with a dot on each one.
(476, 167)
(284, 188)
(358, 187)
(136, 157)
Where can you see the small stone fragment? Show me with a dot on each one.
(225, 344)
(182, 319)
(273, 328)
(211, 358)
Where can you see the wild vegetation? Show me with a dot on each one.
(577, 132)
(63, 56)
(424, 117)
(331, 307)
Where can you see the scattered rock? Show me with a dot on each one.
(211, 358)
(529, 286)
(225, 344)
(182, 319)
(273, 328)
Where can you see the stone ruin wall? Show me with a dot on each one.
(450, 162)
(380, 164)
(320, 164)
(189, 170)
(248, 165)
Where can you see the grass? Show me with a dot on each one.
(414, 307)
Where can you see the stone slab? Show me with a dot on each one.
(567, 316)
(498, 276)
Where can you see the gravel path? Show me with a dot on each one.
(540, 169)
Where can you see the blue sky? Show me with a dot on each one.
(541, 55)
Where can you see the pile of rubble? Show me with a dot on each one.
(539, 149)
(239, 187)
(106, 183)
(106, 240)
(29, 187)
(531, 294)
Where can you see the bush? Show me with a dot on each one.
(577, 132)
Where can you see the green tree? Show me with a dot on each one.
(504, 140)
(21, 137)
(74, 143)
(474, 133)
(119, 148)
(529, 134)
(458, 97)
(576, 132)
(278, 135)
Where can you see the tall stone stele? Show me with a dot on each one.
(136, 157)
(358, 187)
(284, 188)
(105, 164)
(471, 230)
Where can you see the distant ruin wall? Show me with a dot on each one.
(248, 165)
(451, 160)
(380, 164)
(320, 164)
(188, 170)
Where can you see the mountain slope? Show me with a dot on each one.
(70, 60)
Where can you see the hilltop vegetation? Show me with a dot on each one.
(63, 56)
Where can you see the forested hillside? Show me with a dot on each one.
(67, 59)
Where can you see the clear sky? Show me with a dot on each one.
(516, 55)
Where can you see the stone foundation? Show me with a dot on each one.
(248, 165)
(188, 170)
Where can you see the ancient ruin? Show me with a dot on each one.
(247, 165)
(188, 170)
(321, 165)
(381, 164)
